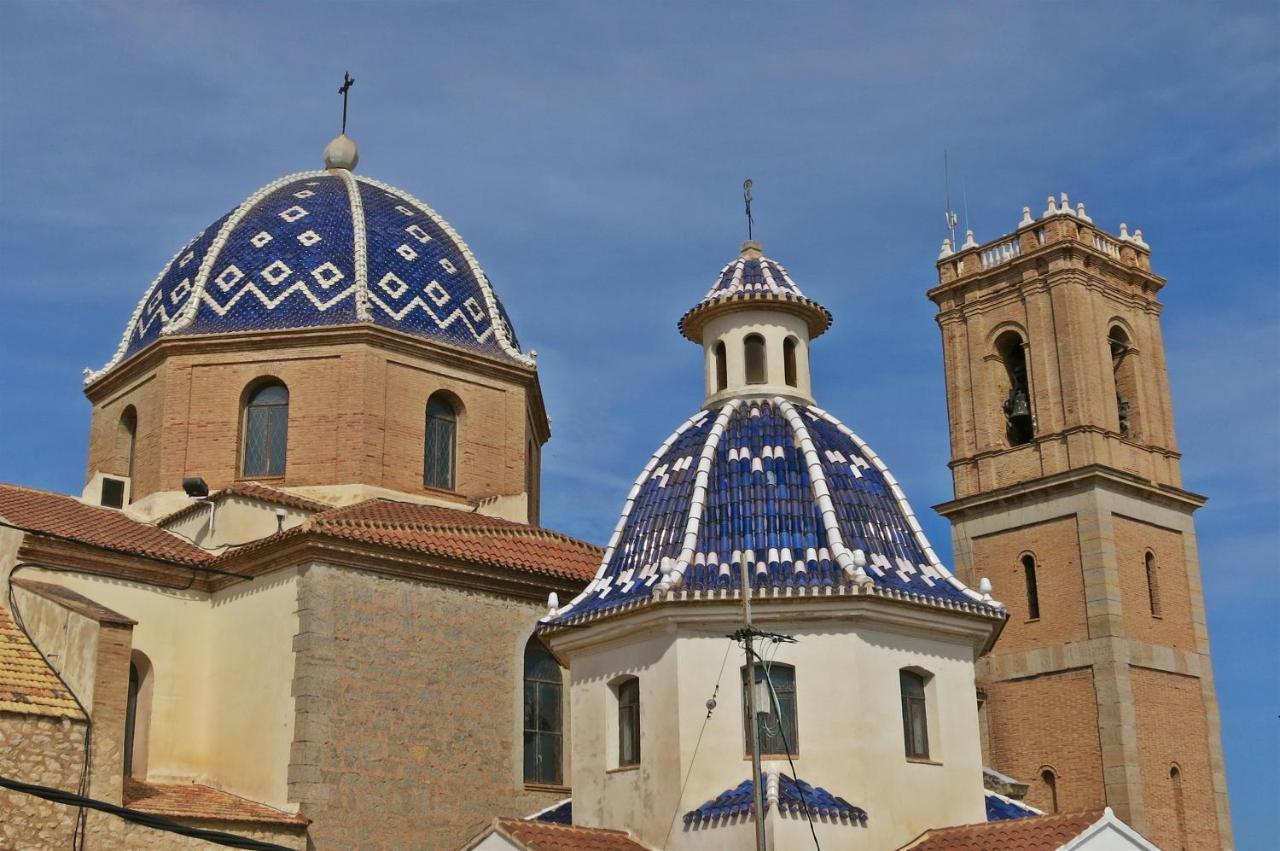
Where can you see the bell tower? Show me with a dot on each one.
(1068, 496)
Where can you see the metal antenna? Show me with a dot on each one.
(746, 196)
(950, 215)
(347, 82)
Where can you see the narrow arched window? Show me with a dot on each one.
(1033, 586)
(1050, 781)
(628, 722)
(137, 715)
(915, 718)
(1124, 368)
(266, 431)
(775, 694)
(128, 438)
(131, 717)
(1179, 807)
(441, 447)
(722, 367)
(542, 716)
(753, 352)
(1016, 405)
(1153, 584)
(789, 360)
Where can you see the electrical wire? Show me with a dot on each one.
(711, 707)
(154, 822)
(795, 775)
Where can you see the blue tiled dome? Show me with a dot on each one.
(325, 248)
(785, 488)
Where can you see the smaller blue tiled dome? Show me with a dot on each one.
(748, 281)
(786, 489)
(324, 248)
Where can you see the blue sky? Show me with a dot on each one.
(592, 154)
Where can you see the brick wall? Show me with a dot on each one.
(1050, 720)
(1172, 729)
(408, 699)
(1060, 582)
(1174, 627)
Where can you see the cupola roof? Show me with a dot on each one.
(324, 248)
(786, 489)
(751, 281)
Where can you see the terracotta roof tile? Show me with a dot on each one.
(251, 490)
(545, 836)
(193, 801)
(27, 683)
(1036, 833)
(62, 516)
(462, 535)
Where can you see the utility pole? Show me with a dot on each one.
(753, 728)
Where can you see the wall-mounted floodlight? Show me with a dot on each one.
(195, 487)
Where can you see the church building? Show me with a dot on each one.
(305, 599)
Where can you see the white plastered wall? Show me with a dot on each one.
(775, 326)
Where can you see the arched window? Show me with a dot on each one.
(1019, 425)
(266, 430)
(722, 367)
(915, 718)
(628, 691)
(542, 716)
(137, 715)
(127, 440)
(1179, 807)
(1124, 368)
(775, 709)
(1050, 781)
(789, 360)
(1153, 584)
(1033, 587)
(753, 350)
(441, 447)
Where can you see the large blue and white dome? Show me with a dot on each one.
(763, 478)
(324, 248)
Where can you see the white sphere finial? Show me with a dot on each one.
(341, 153)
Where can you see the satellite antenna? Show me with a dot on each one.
(950, 214)
(746, 197)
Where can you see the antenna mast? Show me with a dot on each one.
(950, 214)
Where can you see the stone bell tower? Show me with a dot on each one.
(1068, 496)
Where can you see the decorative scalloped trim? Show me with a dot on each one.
(851, 562)
(188, 312)
(482, 280)
(359, 239)
(675, 577)
(907, 511)
(91, 376)
(626, 512)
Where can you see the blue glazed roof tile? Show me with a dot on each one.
(1000, 808)
(794, 797)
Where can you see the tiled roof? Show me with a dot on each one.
(1039, 833)
(544, 836)
(754, 277)
(461, 535)
(1002, 808)
(561, 812)
(62, 516)
(325, 248)
(250, 490)
(27, 684)
(193, 801)
(788, 795)
(784, 488)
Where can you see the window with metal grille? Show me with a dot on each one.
(628, 722)
(775, 710)
(441, 449)
(266, 431)
(915, 719)
(542, 716)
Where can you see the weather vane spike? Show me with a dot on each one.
(746, 196)
(347, 82)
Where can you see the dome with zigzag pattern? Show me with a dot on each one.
(325, 248)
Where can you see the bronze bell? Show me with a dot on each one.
(1018, 408)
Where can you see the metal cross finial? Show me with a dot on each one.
(347, 82)
(746, 196)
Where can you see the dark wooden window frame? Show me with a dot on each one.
(915, 713)
(772, 727)
(628, 691)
